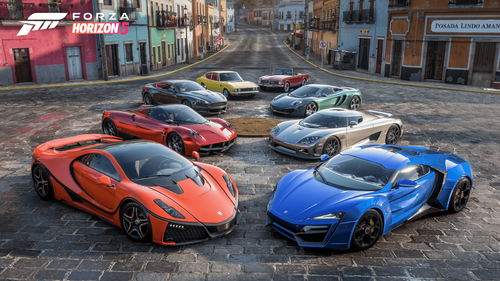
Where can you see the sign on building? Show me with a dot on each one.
(322, 44)
(466, 26)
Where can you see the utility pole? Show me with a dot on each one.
(102, 49)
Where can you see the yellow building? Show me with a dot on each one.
(223, 16)
(329, 26)
(208, 28)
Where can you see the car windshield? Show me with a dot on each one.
(188, 86)
(352, 173)
(283, 71)
(230, 76)
(305, 92)
(322, 120)
(148, 160)
(184, 114)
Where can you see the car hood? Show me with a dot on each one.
(206, 95)
(194, 199)
(300, 197)
(294, 133)
(212, 132)
(242, 84)
(274, 77)
(285, 100)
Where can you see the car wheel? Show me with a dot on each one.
(225, 93)
(175, 142)
(109, 127)
(135, 222)
(304, 82)
(331, 146)
(286, 87)
(460, 196)
(355, 103)
(148, 99)
(41, 181)
(311, 108)
(393, 135)
(367, 231)
(186, 103)
(203, 85)
(262, 88)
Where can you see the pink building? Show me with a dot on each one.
(49, 55)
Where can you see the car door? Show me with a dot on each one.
(168, 93)
(356, 133)
(152, 126)
(88, 172)
(213, 84)
(327, 96)
(404, 202)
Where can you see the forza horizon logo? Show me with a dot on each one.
(41, 21)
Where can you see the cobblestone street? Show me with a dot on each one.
(51, 240)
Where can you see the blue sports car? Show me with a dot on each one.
(352, 199)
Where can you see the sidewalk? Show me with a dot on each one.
(117, 79)
(359, 75)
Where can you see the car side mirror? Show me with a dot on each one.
(406, 183)
(195, 155)
(169, 121)
(353, 123)
(104, 180)
(323, 95)
(324, 157)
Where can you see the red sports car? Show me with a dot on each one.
(283, 77)
(151, 192)
(177, 126)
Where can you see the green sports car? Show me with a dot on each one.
(308, 99)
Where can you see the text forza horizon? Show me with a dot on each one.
(100, 27)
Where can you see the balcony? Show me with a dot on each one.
(330, 25)
(352, 16)
(466, 3)
(183, 22)
(314, 24)
(130, 11)
(166, 20)
(288, 16)
(57, 8)
(399, 5)
(16, 11)
(368, 16)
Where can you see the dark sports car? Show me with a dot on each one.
(185, 92)
(177, 126)
(308, 99)
(149, 191)
(352, 199)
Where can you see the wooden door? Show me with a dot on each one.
(164, 53)
(74, 63)
(482, 69)
(380, 50)
(364, 53)
(112, 59)
(397, 57)
(434, 62)
(22, 65)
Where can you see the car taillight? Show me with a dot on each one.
(145, 89)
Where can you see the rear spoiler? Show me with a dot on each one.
(75, 142)
(379, 113)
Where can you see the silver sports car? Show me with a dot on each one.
(331, 131)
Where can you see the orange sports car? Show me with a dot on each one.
(151, 192)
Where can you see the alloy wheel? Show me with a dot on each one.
(367, 230)
(311, 108)
(393, 135)
(109, 128)
(41, 181)
(355, 103)
(332, 147)
(462, 195)
(135, 222)
(175, 143)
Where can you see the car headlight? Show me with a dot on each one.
(330, 216)
(275, 131)
(308, 140)
(194, 133)
(170, 210)
(271, 200)
(229, 184)
(237, 90)
(201, 101)
(229, 125)
(297, 102)
(280, 82)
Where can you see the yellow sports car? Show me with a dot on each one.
(228, 83)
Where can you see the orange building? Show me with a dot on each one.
(455, 41)
(200, 21)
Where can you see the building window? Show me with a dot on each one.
(138, 3)
(108, 2)
(129, 54)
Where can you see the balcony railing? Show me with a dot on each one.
(314, 24)
(400, 3)
(288, 16)
(130, 11)
(57, 8)
(330, 25)
(183, 22)
(16, 11)
(455, 3)
(166, 19)
(368, 16)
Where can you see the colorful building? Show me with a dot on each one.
(184, 30)
(363, 29)
(49, 55)
(200, 20)
(162, 24)
(230, 20)
(452, 41)
(207, 32)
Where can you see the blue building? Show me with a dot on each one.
(125, 53)
(288, 14)
(230, 21)
(363, 29)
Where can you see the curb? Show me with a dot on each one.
(389, 82)
(115, 81)
(253, 136)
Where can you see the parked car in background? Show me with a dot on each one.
(283, 77)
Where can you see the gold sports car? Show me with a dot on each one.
(228, 83)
